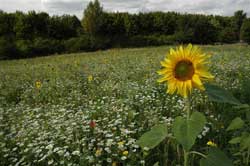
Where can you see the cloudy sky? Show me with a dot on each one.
(221, 7)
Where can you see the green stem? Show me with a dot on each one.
(201, 154)
(166, 152)
(185, 158)
(187, 109)
(178, 153)
(248, 155)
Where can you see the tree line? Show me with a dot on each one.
(24, 35)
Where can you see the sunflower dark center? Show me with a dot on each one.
(184, 70)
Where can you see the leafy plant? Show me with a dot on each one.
(242, 139)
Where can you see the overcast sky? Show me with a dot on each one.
(58, 7)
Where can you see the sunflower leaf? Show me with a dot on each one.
(235, 140)
(245, 141)
(216, 158)
(153, 137)
(186, 131)
(220, 95)
(237, 123)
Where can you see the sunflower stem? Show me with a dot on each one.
(187, 109)
(248, 155)
(186, 158)
(198, 153)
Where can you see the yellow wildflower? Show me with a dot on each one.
(121, 143)
(125, 153)
(90, 78)
(211, 143)
(38, 84)
(98, 152)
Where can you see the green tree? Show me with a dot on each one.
(228, 35)
(24, 26)
(7, 22)
(239, 17)
(131, 24)
(245, 30)
(40, 24)
(92, 19)
(204, 31)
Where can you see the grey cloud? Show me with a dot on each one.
(123, 6)
(222, 7)
(22, 5)
(59, 7)
(76, 7)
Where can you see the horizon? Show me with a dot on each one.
(76, 7)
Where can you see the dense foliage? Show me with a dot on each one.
(245, 31)
(33, 34)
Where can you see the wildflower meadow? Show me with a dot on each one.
(156, 106)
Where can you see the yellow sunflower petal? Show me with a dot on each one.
(204, 74)
(172, 51)
(164, 63)
(189, 86)
(163, 71)
(189, 47)
(163, 79)
(182, 52)
(185, 90)
(180, 88)
(171, 87)
(197, 82)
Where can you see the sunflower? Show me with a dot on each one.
(184, 69)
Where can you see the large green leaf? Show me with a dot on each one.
(220, 95)
(216, 158)
(235, 140)
(245, 144)
(156, 164)
(237, 123)
(245, 141)
(153, 137)
(186, 131)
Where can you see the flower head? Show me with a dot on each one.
(125, 153)
(98, 152)
(90, 78)
(211, 143)
(38, 84)
(183, 69)
(114, 163)
(121, 143)
(92, 124)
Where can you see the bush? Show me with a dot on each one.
(183, 37)
(99, 42)
(228, 35)
(245, 31)
(46, 46)
(139, 41)
(156, 40)
(24, 48)
(7, 49)
(77, 44)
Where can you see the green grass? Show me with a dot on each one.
(50, 125)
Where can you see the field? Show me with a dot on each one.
(89, 109)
